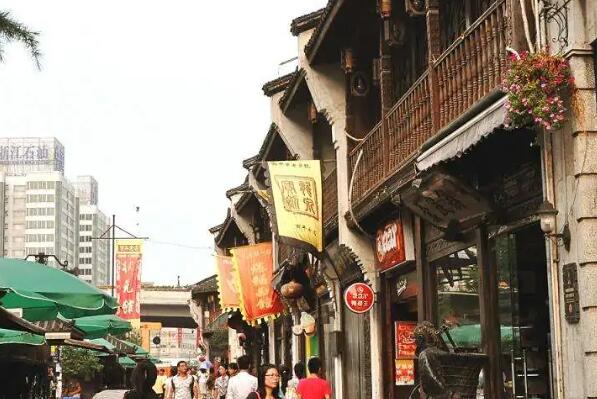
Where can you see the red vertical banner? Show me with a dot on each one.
(406, 345)
(253, 266)
(128, 279)
(227, 287)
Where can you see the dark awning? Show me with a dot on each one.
(462, 139)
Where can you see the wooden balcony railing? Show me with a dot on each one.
(330, 197)
(472, 67)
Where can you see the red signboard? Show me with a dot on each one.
(253, 265)
(389, 245)
(227, 287)
(359, 298)
(128, 278)
(406, 345)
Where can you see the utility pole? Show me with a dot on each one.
(113, 240)
(110, 234)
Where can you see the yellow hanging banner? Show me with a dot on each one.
(297, 193)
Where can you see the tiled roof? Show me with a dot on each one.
(249, 162)
(239, 189)
(305, 22)
(325, 15)
(291, 89)
(277, 85)
(219, 227)
(206, 285)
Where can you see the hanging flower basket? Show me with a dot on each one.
(536, 85)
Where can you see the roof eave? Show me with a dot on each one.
(329, 14)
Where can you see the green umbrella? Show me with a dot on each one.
(102, 325)
(105, 343)
(126, 362)
(154, 360)
(139, 350)
(35, 307)
(20, 338)
(72, 296)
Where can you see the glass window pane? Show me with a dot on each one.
(458, 297)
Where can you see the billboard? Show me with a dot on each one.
(128, 278)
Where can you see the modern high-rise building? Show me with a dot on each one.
(41, 214)
(87, 190)
(42, 211)
(94, 255)
(22, 155)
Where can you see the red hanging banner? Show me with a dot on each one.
(253, 266)
(128, 279)
(227, 288)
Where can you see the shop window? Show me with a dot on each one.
(458, 305)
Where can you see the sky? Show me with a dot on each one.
(159, 101)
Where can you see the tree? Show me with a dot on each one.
(12, 30)
(79, 363)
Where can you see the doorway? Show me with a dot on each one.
(520, 260)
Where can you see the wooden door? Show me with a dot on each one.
(356, 356)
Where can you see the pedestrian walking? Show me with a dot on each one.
(243, 383)
(183, 385)
(143, 380)
(268, 383)
(299, 374)
(314, 387)
(232, 369)
(203, 382)
(221, 384)
(160, 383)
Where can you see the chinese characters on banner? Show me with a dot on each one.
(253, 265)
(406, 347)
(389, 245)
(128, 279)
(359, 298)
(227, 288)
(297, 194)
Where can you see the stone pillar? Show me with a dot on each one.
(575, 198)
(584, 212)
(376, 319)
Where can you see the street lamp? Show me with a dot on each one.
(547, 216)
(42, 258)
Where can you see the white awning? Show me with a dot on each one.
(458, 142)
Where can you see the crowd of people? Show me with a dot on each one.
(239, 381)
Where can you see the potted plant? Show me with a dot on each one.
(536, 85)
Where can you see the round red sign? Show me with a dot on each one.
(359, 298)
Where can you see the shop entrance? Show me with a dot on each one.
(524, 312)
(519, 259)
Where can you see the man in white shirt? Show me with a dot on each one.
(242, 384)
(183, 385)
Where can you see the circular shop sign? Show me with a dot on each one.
(359, 298)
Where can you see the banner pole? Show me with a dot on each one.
(113, 251)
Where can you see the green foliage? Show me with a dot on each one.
(79, 363)
(11, 31)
